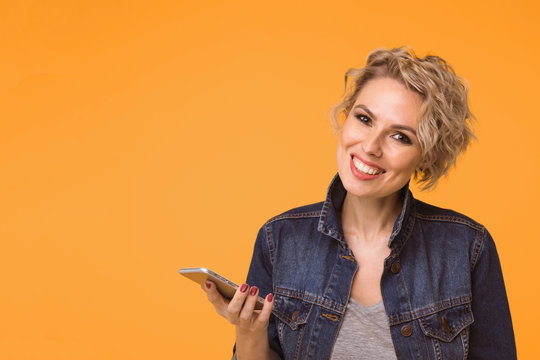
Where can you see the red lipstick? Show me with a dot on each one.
(363, 176)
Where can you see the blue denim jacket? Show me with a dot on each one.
(442, 285)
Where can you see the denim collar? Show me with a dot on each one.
(330, 219)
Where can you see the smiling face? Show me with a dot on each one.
(378, 150)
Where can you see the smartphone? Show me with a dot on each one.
(226, 287)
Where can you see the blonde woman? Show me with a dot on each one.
(371, 272)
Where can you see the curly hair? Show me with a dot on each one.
(446, 124)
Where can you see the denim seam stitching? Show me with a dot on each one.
(437, 347)
(280, 328)
(395, 320)
(322, 220)
(332, 276)
(465, 342)
(299, 343)
(314, 333)
(269, 243)
(311, 299)
(401, 278)
(407, 231)
(402, 281)
(442, 335)
(426, 344)
(448, 218)
(289, 321)
(304, 215)
(477, 249)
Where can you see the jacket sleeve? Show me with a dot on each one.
(260, 275)
(491, 333)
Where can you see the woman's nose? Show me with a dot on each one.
(372, 145)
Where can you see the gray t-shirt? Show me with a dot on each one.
(364, 334)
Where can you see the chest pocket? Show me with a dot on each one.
(292, 315)
(292, 311)
(448, 331)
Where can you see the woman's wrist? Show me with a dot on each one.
(252, 344)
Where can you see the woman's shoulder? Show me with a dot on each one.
(427, 212)
(301, 212)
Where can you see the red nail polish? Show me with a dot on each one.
(243, 288)
(208, 285)
(270, 297)
(253, 291)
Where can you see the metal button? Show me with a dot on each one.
(395, 268)
(295, 315)
(406, 330)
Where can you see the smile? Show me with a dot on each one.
(365, 168)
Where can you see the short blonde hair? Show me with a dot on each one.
(446, 124)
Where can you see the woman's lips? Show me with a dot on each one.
(365, 170)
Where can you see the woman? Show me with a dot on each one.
(372, 273)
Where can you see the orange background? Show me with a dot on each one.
(140, 137)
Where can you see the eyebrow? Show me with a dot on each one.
(395, 126)
(366, 109)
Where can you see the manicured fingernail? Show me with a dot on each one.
(269, 297)
(208, 284)
(243, 288)
(253, 291)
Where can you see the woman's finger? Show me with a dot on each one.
(236, 303)
(213, 295)
(264, 316)
(247, 313)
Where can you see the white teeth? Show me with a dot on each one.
(364, 168)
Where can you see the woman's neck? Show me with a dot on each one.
(369, 222)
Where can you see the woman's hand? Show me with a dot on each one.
(251, 324)
(240, 310)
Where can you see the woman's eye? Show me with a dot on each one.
(363, 118)
(402, 138)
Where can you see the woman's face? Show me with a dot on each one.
(378, 150)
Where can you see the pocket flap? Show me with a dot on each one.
(446, 324)
(291, 311)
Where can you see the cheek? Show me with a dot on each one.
(349, 133)
(341, 154)
(349, 138)
(408, 162)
